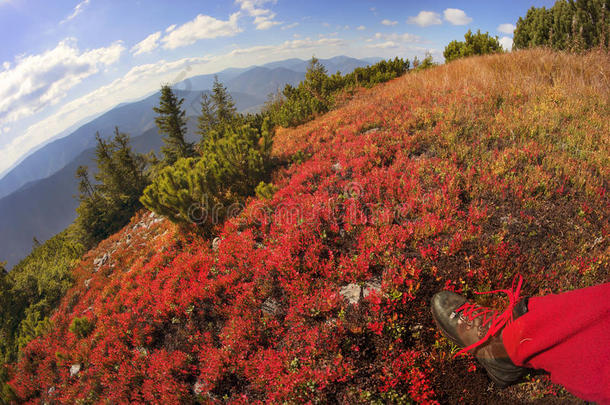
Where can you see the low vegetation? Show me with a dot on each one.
(319, 92)
(455, 177)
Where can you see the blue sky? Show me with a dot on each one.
(62, 61)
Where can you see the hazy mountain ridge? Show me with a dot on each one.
(23, 215)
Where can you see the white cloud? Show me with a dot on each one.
(390, 41)
(294, 45)
(506, 28)
(38, 81)
(77, 10)
(149, 44)
(170, 28)
(263, 17)
(406, 37)
(425, 19)
(139, 81)
(289, 26)
(145, 79)
(389, 22)
(6, 65)
(202, 27)
(361, 28)
(456, 16)
(507, 43)
(385, 45)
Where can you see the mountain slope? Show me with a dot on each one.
(458, 177)
(262, 80)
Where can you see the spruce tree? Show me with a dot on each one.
(171, 121)
(208, 119)
(223, 103)
(119, 182)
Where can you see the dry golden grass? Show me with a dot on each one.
(529, 74)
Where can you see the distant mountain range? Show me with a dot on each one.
(37, 194)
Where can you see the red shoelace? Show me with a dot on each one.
(496, 321)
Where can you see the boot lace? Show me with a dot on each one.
(490, 317)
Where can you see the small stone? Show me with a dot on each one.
(198, 387)
(88, 282)
(337, 167)
(351, 293)
(271, 307)
(100, 261)
(370, 131)
(216, 244)
(74, 370)
(51, 391)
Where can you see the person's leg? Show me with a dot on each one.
(567, 335)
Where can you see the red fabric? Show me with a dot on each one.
(567, 335)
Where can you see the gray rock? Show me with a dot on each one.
(370, 131)
(216, 244)
(271, 307)
(74, 369)
(88, 282)
(354, 293)
(351, 292)
(337, 167)
(100, 261)
(51, 391)
(198, 387)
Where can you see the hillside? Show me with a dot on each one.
(456, 177)
(38, 178)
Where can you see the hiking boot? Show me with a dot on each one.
(479, 330)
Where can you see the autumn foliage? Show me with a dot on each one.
(456, 177)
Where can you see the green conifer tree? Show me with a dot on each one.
(120, 180)
(223, 103)
(473, 44)
(208, 119)
(568, 25)
(171, 121)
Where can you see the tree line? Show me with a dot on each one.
(567, 25)
(571, 25)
